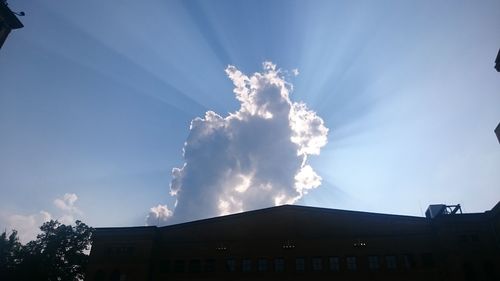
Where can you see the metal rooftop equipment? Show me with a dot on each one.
(442, 209)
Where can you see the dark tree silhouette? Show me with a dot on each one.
(10, 247)
(57, 254)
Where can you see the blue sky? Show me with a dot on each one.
(97, 97)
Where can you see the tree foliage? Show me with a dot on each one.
(10, 247)
(57, 254)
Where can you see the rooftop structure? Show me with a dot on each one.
(8, 21)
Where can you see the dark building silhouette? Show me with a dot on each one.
(497, 62)
(497, 67)
(497, 132)
(304, 243)
(8, 21)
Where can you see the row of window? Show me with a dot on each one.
(120, 250)
(470, 270)
(301, 264)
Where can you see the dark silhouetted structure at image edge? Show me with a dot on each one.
(8, 21)
(497, 62)
(497, 132)
(305, 243)
(497, 67)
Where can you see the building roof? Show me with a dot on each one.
(294, 218)
(296, 210)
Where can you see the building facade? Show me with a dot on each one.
(303, 243)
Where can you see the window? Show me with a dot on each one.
(209, 265)
(179, 266)
(164, 266)
(470, 272)
(391, 262)
(246, 265)
(230, 265)
(373, 263)
(427, 260)
(300, 264)
(100, 275)
(115, 275)
(489, 269)
(408, 261)
(195, 266)
(467, 240)
(351, 264)
(334, 263)
(317, 264)
(279, 265)
(262, 265)
(120, 250)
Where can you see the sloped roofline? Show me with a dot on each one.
(134, 229)
(495, 209)
(259, 211)
(288, 207)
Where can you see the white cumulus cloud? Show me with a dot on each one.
(253, 158)
(28, 226)
(67, 203)
(158, 215)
